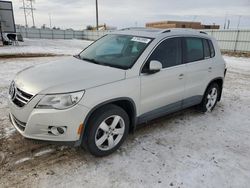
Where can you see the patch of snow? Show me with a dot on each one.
(8, 131)
(44, 152)
(45, 46)
(238, 64)
(22, 160)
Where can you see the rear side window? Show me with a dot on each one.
(193, 49)
(168, 53)
(206, 49)
(211, 46)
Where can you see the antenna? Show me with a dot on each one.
(28, 10)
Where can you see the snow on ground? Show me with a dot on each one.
(46, 46)
(186, 149)
(238, 64)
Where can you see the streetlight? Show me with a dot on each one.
(96, 6)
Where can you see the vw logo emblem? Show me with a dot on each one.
(12, 91)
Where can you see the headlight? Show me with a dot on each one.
(60, 101)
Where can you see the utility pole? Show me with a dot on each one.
(1, 32)
(96, 7)
(225, 22)
(32, 14)
(25, 15)
(28, 10)
(228, 24)
(238, 22)
(50, 21)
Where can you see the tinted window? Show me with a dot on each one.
(211, 46)
(168, 53)
(193, 49)
(206, 49)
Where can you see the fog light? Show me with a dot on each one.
(60, 130)
(57, 130)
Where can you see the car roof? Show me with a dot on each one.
(155, 33)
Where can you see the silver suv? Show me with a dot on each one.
(125, 78)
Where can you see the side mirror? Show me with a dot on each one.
(154, 66)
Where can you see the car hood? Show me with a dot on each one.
(67, 75)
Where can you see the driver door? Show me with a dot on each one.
(163, 92)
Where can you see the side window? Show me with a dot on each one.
(168, 53)
(206, 49)
(211, 46)
(193, 49)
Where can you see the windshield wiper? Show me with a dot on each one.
(77, 56)
(96, 62)
(99, 63)
(92, 61)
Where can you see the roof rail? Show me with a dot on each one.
(132, 28)
(166, 31)
(203, 32)
(146, 29)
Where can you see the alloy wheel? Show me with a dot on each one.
(211, 99)
(110, 132)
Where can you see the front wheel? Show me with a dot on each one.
(210, 98)
(109, 127)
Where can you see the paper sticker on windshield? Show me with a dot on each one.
(140, 39)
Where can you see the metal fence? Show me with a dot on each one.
(232, 40)
(229, 40)
(50, 33)
(94, 35)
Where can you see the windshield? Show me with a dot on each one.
(119, 51)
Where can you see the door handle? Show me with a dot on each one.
(210, 69)
(181, 76)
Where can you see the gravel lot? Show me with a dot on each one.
(186, 149)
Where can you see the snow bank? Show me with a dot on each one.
(46, 46)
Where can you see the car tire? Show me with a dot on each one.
(108, 128)
(210, 98)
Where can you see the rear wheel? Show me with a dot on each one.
(210, 98)
(109, 127)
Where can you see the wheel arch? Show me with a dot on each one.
(219, 81)
(126, 103)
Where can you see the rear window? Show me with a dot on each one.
(193, 49)
(211, 46)
(206, 49)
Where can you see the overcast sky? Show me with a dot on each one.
(78, 14)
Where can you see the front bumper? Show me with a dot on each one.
(37, 124)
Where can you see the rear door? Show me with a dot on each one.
(197, 58)
(163, 91)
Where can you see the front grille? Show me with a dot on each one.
(19, 124)
(21, 98)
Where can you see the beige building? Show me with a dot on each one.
(180, 24)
